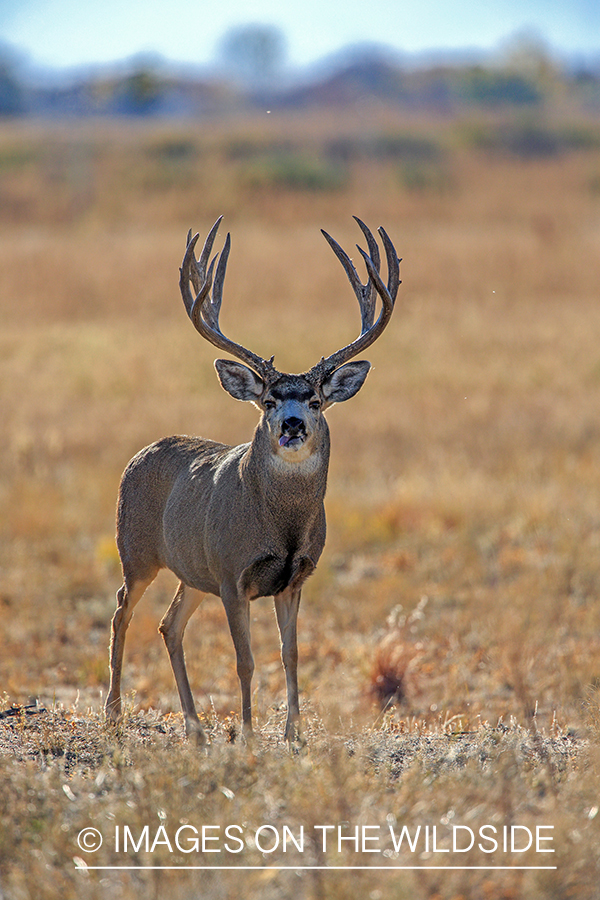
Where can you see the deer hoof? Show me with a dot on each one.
(195, 732)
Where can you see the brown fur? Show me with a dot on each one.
(240, 522)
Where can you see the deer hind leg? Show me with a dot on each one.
(287, 604)
(185, 602)
(237, 608)
(128, 596)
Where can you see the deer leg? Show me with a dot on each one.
(185, 602)
(128, 596)
(237, 608)
(287, 604)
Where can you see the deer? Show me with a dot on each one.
(246, 521)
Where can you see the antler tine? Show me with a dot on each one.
(204, 305)
(393, 263)
(371, 242)
(366, 297)
(368, 313)
(185, 273)
(217, 297)
(365, 293)
(204, 308)
(198, 270)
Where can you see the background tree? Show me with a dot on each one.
(12, 100)
(254, 53)
(139, 93)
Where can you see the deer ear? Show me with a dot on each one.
(345, 382)
(238, 380)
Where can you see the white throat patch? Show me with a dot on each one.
(295, 462)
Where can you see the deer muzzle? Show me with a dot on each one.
(293, 432)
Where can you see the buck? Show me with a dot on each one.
(248, 521)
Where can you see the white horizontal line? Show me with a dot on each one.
(320, 868)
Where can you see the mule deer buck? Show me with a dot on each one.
(248, 521)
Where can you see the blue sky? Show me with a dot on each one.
(65, 33)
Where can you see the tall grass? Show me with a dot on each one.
(460, 580)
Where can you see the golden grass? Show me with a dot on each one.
(462, 556)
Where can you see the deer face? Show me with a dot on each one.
(292, 413)
(292, 405)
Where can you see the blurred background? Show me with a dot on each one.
(63, 58)
(463, 497)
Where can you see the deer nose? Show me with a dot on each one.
(292, 423)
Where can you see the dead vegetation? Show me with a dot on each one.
(449, 640)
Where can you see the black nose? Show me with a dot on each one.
(292, 423)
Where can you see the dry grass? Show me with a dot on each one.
(461, 575)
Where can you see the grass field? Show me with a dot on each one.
(450, 638)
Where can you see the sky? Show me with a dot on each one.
(68, 33)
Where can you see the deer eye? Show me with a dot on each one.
(269, 404)
(314, 404)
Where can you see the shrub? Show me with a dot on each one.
(530, 139)
(174, 150)
(394, 146)
(297, 171)
(486, 87)
(242, 149)
(415, 176)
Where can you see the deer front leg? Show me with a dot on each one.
(237, 608)
(185, 602)
(287, 604)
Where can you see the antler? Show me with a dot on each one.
(204, 308)
(366, 296)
